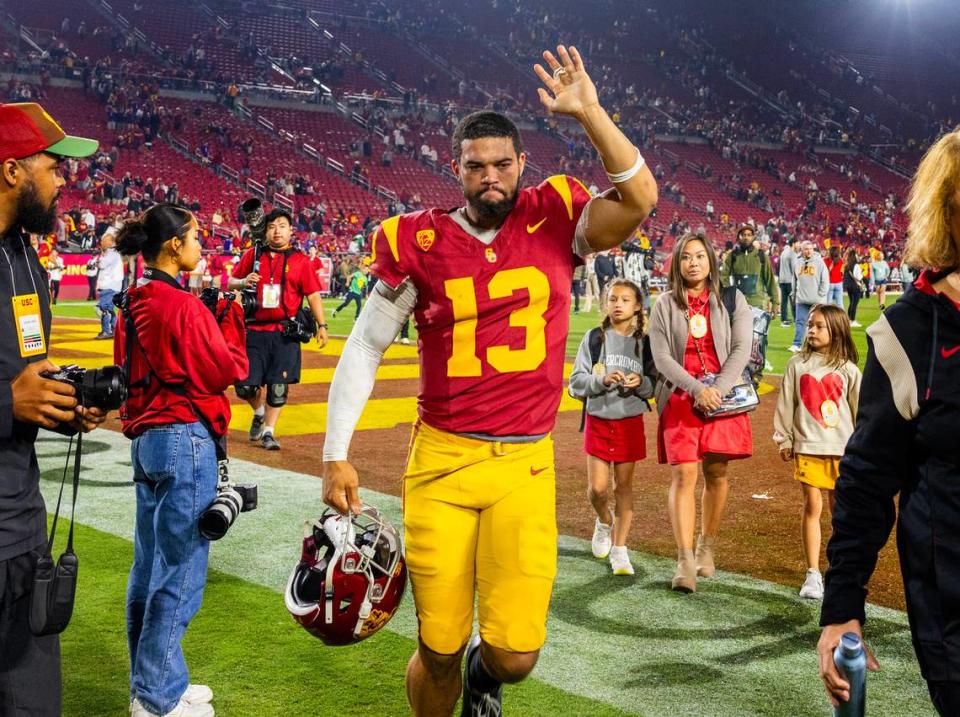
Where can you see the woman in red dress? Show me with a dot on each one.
(700, 355)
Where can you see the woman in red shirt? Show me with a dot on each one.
(180, 358)
(700, 354)
(835, 265)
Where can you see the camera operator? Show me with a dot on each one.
(179, 358)
(284, 278)
(31, 148)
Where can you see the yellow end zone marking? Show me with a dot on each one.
(384, 373)
(300, 419)
(85, 361)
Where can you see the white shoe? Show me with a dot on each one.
(855, 323)
(405, 341)
(183, 709)
(601, 542)
(793, 349)
(767, 366)
(620, 560)
(197, 695)
(812, 588)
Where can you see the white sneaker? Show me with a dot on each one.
(793, 349)
(601, 542)
(183, 709)
(855, 323)
(197, 695)
(620, 560)
(405, 341)
(767, 366)
(812, 588)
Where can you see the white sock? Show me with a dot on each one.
(259, 411)
(267, 429)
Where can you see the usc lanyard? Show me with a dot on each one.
(698, 329)
(26, 313)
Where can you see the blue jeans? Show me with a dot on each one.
(108, 317)
(835, 295)
(786, 291)
(800, 316)
(175, 470)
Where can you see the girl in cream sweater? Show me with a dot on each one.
(814, 419)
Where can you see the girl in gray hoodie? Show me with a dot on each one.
(610, 376)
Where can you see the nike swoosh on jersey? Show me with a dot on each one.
(538, 471)
(531, 228)
(947, 353)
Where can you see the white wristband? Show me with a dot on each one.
(627, 174)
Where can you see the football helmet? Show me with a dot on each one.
(350, 578)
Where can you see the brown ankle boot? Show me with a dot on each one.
(685, 579)
(704, 556)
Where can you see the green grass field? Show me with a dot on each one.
(780, 337)
(617, 646)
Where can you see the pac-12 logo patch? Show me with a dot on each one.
(425, 239)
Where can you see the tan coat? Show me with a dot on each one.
(669, 332)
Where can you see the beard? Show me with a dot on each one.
(32, 215)
(491, 213)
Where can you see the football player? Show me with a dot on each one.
(489, 287)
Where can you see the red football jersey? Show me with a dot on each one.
(492, 320)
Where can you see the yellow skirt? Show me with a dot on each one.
(818, 471)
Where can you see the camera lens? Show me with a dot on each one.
(216, 520)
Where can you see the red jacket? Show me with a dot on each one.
(192, 361)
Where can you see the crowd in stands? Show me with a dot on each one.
(678, 89)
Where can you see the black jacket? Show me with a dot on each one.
(22, 518)
(905, 442)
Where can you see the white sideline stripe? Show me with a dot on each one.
(609, 638)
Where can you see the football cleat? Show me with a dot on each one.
(350, 579)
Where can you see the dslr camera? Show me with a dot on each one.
(301, 327)
(232, 499)
(248, 300)
(104, 388)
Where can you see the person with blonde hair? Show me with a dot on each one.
(905, 443)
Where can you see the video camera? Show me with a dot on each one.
(252, 212)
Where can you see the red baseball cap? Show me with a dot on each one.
(26, 129)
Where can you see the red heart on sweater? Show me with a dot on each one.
(813, 393)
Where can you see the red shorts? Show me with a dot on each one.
(619, 440)
(685, 436)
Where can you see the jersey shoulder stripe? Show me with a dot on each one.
(567, 187)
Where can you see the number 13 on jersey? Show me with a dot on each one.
(463, 361)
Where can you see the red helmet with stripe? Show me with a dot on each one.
(350, 578)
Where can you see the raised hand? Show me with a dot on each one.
(568, 89)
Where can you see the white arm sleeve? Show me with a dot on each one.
(381, 319)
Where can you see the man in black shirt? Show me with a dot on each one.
(31, 148)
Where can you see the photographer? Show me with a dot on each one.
(179, 358)
(284, 278)
(31, 148)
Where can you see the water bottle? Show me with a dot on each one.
(851, 660)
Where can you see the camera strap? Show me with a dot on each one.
(73, 503)
(55, 586)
